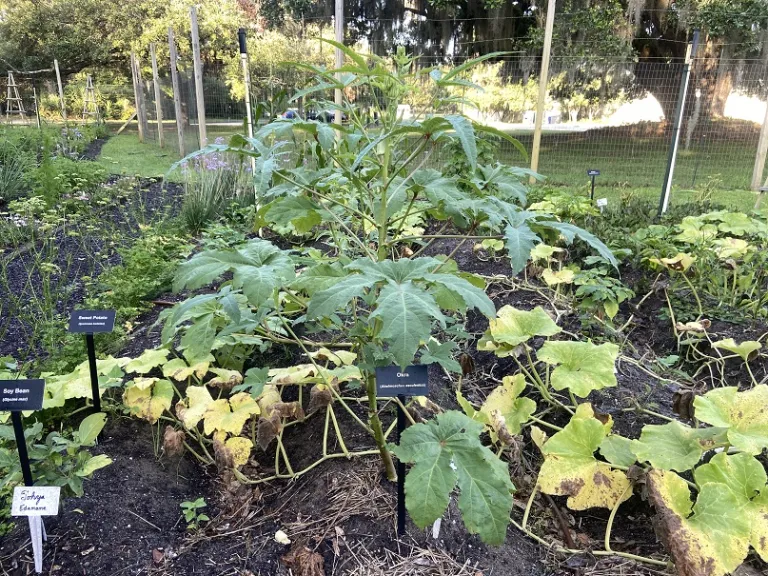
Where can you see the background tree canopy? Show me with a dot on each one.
(591, 36)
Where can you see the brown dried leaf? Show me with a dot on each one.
(467, 364)
(267, 429)
(682, 403)
(289, 410)
(224, 459)
(304, 562)
(173, 441)
(320, 396)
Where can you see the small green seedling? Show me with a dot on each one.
(192, 513)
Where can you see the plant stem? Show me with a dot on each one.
(615, 509)
(378, 433)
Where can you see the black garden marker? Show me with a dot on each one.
(394, 381)
(89, 322)
(15, 397)
(592, 172)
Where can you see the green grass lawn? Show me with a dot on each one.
(627, 161)
(125, 155)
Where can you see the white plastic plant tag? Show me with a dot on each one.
(35, 501)
(436, 528)
(602, 202)
(36, 535)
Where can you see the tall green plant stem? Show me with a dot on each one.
(378, 432)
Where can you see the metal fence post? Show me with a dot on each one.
(678, 119)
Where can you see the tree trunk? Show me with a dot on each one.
(723, 82)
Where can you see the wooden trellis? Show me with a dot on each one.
(90, 106)
(13, 102)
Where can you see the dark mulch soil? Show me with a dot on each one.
(80, 250)
(341, 513)
(93, 150)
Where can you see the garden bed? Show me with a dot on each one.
(344, 511)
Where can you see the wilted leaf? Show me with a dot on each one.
(178, 369)
(512, 410)
(240, 449)
(681, 262)
(225, 379)
(230, 415)
(711, 542)
(148, 360)
(191, 410)
(564, 276)
(173, 441)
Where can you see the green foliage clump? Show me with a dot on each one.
(62, 178)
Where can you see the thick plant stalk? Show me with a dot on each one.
(378, 432)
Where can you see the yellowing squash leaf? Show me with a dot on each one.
(148, 360)
(225, 379)
(571, 469)
(192, 409)
(743, 414)
(505, 410)
(148, 398)
(747, 349)
(564, 276)
(711, 542)
(240, 449)
(230, 415)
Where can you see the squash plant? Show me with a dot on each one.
(709, 524)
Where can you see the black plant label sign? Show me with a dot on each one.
(92, 321)
(593, 172)
(19, 395)
(396, 381)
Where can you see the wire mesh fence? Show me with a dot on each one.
(615, 116)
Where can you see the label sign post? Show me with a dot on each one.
(89, 322)
(393, 381)
(35, 502)
(592, 172)
(16, 396)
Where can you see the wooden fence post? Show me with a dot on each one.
(136, 92)
(176, 93)
(543, 79)
(158, 103)
(198, 78)
(61, 91)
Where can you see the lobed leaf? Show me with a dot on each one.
(744, 415)
(571, 469)
(446, 452)
(581, 366)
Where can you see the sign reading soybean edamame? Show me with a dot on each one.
(35, 501)
(19, 395)
(91, 321)
(394, 381)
